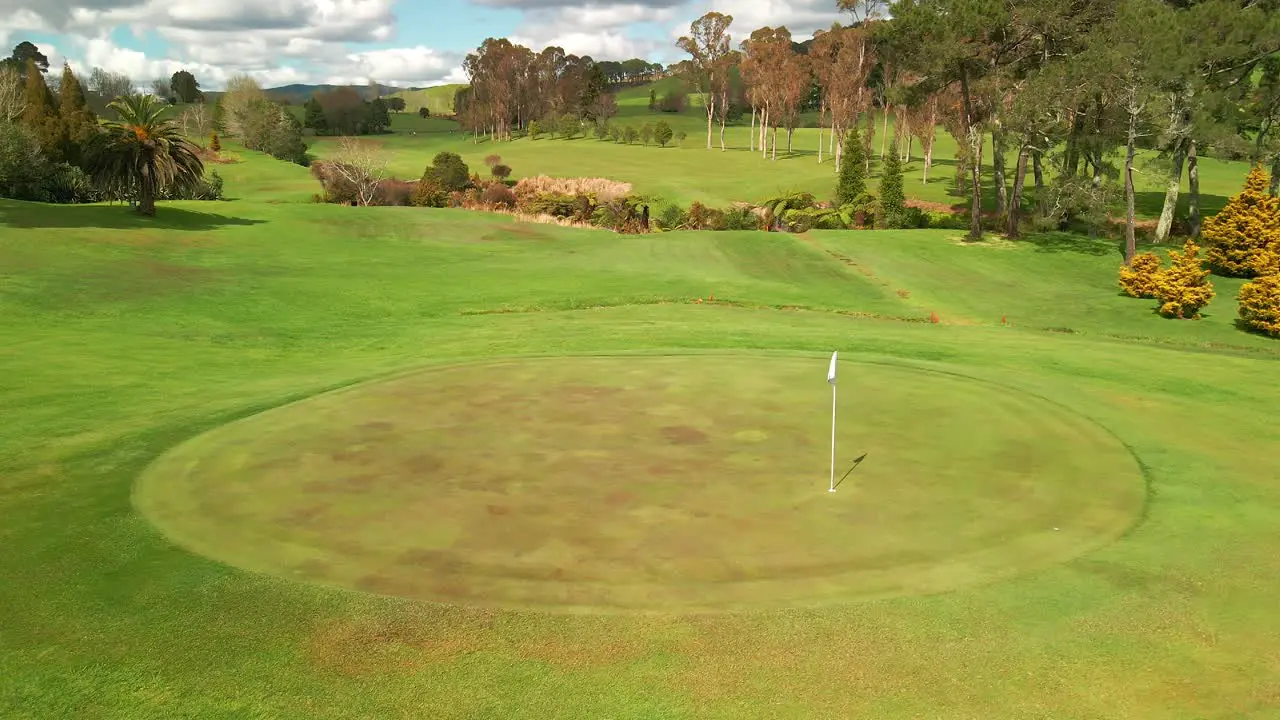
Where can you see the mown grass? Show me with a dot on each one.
(121, 337)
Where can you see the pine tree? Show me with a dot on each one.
(315, 118)
(853, 169)
(41, 114)
(653, 99)
(893, 200)
(1141, 277)
(1244, 230)
(1184, 287)
(215, 144)
(79, 125)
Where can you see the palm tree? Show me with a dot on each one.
(144, 152)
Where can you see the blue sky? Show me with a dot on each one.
(393, 41)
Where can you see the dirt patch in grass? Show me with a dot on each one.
(683, 435)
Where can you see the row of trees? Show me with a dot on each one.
(343, 112)
(512, 86)
(1058, 90)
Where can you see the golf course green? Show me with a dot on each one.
(648, 483)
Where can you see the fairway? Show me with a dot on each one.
(649, 483)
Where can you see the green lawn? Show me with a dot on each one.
(124, 337)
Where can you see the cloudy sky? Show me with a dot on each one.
(399, 42)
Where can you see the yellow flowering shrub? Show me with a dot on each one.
(1247, 226)
(1140, 277)
(1184, 287)
(1260, 298)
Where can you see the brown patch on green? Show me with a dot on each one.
(379, 426)
(423, 464)
(313, 568)
(498, 509)
(684, 435)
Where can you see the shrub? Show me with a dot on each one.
(853, 169)
(23, 168)
(394, 193)
(554, 204)
(1260, 305)
(602, 130)
(615, 134)
(535, 129)
(671, 217)
(498, 195)
(624, 215)
(630, 135)
(208, 188)
(501, 172)
(662, 133)
(1184, 288)
(492, 160)
(680, 136)
(215, 144)
(450, 171)
(646, 133)
(1141, 277)
(429, 193)
(602, 188)
(337, 189)
(893, 200)
(424, 112)
(701, 217)
(946, 220)
(1247, 227)
(673, 101)
(741, 217)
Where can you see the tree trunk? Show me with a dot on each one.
(1042, 198)
(997, 170)
(868, 138)
(1193, 182)
(975, 158)
(1071, 159)
(753, 128)
(146, 200)
(722, 119)
(790, 132)
(711, 111)
(907, 157)
(885, 138)
(1130, 239)
(928, 162)
(1015, 200)
(1171, 191)
(822, 115)
(775, 143)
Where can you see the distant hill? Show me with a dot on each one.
(297, 93)
(439, 99)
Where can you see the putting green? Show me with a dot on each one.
(649, 483)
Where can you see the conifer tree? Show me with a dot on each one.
(1141, 277)
(853, 169)
(1244, 230)
(79, 125)
(893, 200)
(1259, 299)
(41, 114)
(1184, 287)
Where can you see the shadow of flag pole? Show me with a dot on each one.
(831, 378)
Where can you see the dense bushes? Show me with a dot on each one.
(1184, 287)
(269, 128)
(1245, 230)
(1260, 304)
(1141, 277)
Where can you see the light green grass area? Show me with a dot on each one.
(439, 99)
(122, 338)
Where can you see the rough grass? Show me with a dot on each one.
(602, 188)
(122, 337)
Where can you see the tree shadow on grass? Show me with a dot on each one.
(114, 217)
(1065, 242)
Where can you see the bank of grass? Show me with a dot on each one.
(124, 336)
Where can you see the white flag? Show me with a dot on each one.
(831, 372)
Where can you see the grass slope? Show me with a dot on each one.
(438, 99)
(123, 337)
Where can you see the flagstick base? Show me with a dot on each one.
(831, 490)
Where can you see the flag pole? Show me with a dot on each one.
(831, 378)
(832, 488)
